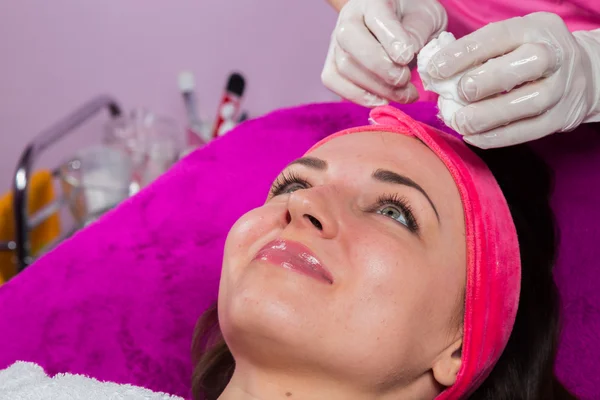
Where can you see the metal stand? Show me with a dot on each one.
(24, 222)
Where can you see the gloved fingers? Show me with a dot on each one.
(383, 22)
(350, 68)
(518, 132)
(341, 86)
(529, 62)
(425, 23)
(349, 91)
(491, 41)
(356, 40)
(354, 73)
(526, 101)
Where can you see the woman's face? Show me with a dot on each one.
(354, 267)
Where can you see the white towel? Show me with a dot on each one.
(28, 381)
(449, 101)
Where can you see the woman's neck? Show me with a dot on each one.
(255, 384)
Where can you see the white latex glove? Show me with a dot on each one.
(373, 43)
(537, 78)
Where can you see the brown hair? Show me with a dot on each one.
(213, 362)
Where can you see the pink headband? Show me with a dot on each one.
(493, 260)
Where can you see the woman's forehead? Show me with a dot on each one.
(386, 148)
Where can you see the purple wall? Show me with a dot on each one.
(54, 55)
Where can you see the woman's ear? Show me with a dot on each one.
(445, 369)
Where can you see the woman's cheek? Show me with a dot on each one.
(386, 262)
(249, 232)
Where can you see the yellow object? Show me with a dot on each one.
(41, 193)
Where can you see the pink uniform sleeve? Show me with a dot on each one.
(468, 15)
(465, 16)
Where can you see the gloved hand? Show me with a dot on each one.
(537, 78)
(372, 44)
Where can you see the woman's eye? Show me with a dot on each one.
(288, 183)
(291, 188)
(393, 213)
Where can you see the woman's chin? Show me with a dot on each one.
(267, 335)
(272, 309)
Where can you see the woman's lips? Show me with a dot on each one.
(294, 256)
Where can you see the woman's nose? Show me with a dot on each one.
(310, 209)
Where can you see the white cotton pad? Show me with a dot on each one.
(448, 101)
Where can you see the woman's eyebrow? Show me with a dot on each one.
(311, 162)
(383, 175)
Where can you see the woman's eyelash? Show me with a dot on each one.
(286, 181)
(403, 205)
(290, 181)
